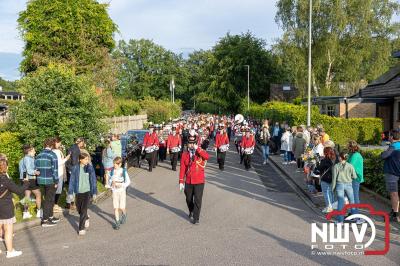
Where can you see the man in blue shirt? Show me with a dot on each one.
(276, 134)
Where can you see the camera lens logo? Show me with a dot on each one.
(363, 228)
(335, 236)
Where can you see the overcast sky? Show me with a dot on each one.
(178, 25)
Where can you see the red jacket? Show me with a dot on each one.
(221, 139)
(247, 142)
(194, 168)
(174, 141)
(150, 140)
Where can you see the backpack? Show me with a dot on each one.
(123, 173)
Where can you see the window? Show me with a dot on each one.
(331, 110)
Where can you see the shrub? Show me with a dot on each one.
(341, 130)
(159, 111)
(58, 103)
(126, 107)
(373, 171)
(11, 145)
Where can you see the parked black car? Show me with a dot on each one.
(133, 147)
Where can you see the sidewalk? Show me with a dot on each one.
(298, 179)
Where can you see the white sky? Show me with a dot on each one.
(178, 25)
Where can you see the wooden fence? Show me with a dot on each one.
(121, 124)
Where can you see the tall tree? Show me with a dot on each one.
(146, 69)
(198, 68)
(78, 33)
(58, 103)
(352, 41)
(228, 74)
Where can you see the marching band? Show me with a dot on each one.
(189, 139)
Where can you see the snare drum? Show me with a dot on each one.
(149, 149)
(176, 149)
(224, 148)
(249, 150)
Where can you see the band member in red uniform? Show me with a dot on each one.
(174, 145)
(191, 177)
(149, 141)
(247, 146)
(162, 137)
(221, 145)
(156, 136)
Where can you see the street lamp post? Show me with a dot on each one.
(248, 87)
(309, 69)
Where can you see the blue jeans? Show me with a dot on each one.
(356, 192)
(265, 151)
(287, 156)
(328, 193)
(341, 190)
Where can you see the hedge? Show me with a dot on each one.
(373, 171)
(159, 111)
(126, 107)
(341, 130)
(11, 146)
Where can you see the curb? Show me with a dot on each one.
(297, 188)
(36, 222)
(376, 196)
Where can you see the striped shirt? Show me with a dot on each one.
(47, 164)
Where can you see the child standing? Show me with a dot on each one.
(83, 184)
(119, 181)
(27, 171)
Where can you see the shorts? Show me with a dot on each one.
(392, 183)
(8, 221)
(119, 199)
(32, 184)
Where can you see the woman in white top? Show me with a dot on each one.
(62, 173)
(318, 148)
(287, 142)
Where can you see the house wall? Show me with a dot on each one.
(357, 110)
(396, 115)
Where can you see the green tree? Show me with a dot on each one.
(58, 103)
(228, 74)
(146, 70)
(197, 66)
(7, 85)
(352, 41)
(78, 33)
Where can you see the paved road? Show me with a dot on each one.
(248, 218)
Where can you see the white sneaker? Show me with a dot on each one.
(26, 215)
(284, 163)
(360, 221)
(327, 210)
(107, 186)
(82, 232)
(265, 162)
(87, 223)
(13, 253)
(39, 213)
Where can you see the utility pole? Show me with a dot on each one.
(309, 69)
